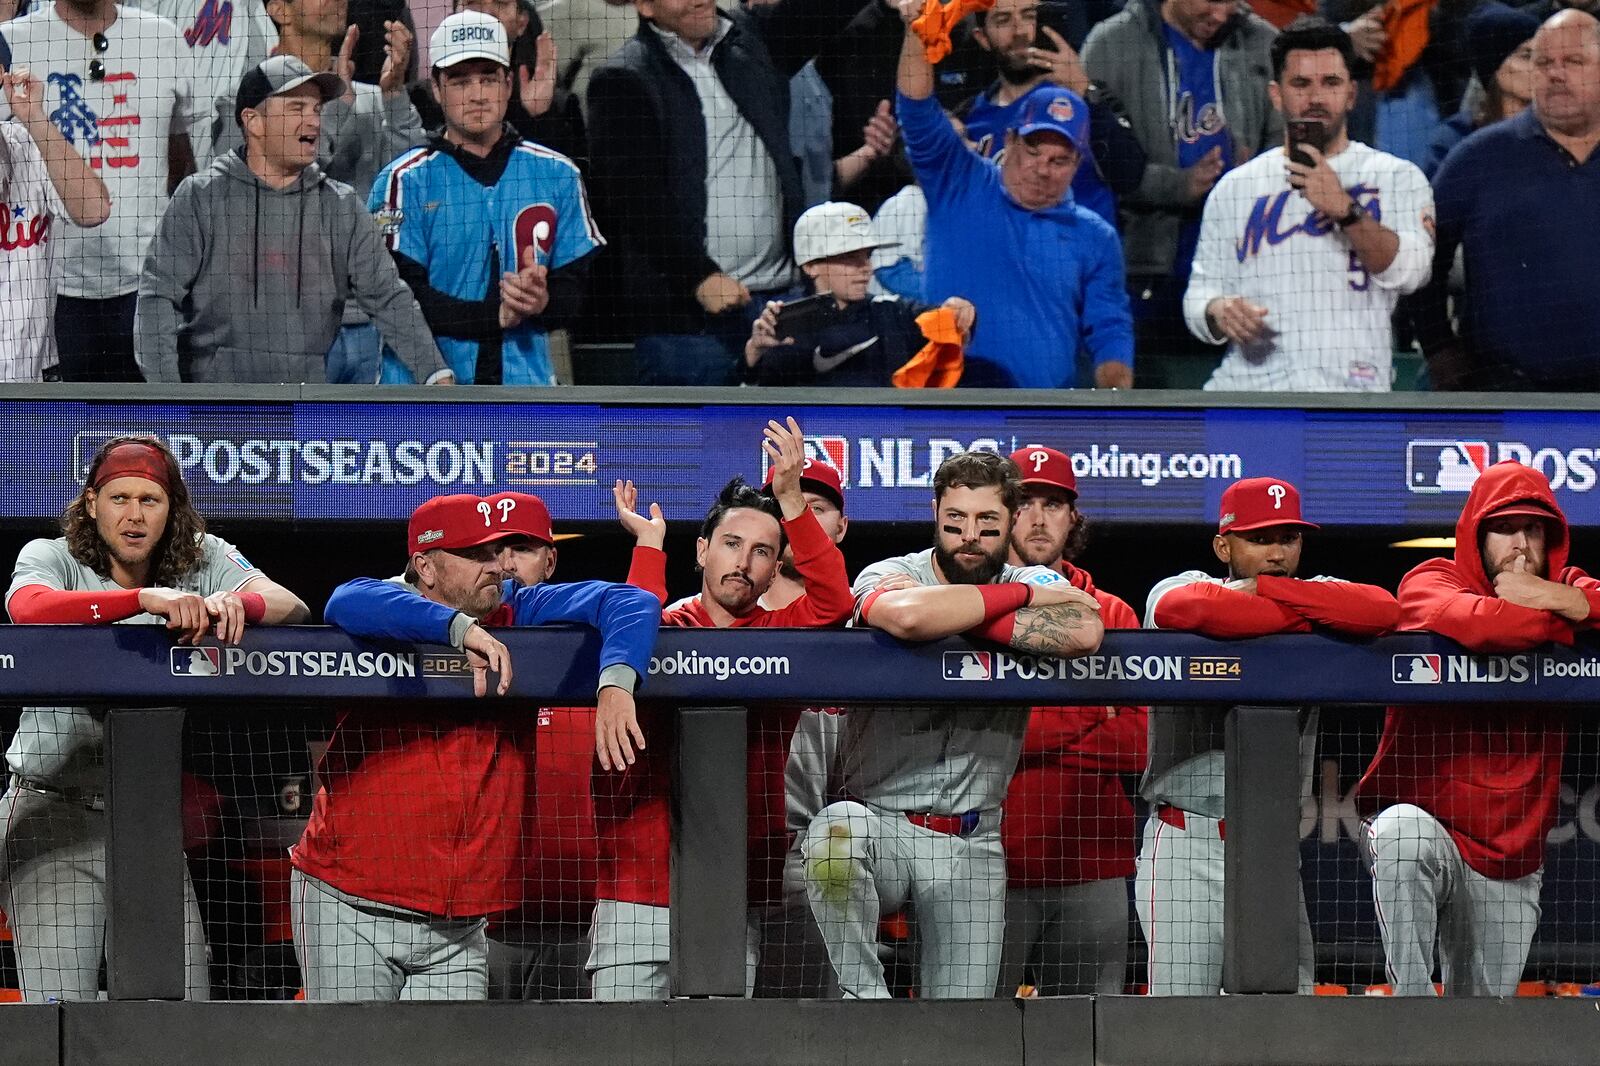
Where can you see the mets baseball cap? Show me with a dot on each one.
(278, 75)
(468, 35)
(1259, 502)
(1052, 109)
(1046, 466)
(819, 477)
(834, 228)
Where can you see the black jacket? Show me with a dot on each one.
(862, 346)
(647, 150)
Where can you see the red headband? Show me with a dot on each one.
(134, 459)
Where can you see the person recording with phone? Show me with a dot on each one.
(839, 335)
(1304, 251)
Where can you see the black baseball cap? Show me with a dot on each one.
(278, 75)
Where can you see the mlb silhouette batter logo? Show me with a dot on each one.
(195, 662)
(967, 665)
(1418, 669)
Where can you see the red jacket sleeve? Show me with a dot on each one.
(1216, 611)
(1591, 591)
(1433, 597)
(42, 605)
(1108, 739)
(1361, 610)
(648, 571)
(827, 600)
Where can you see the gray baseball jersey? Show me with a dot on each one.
(1187, 765)
(62, 745)
(942, 760)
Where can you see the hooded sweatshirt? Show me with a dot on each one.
(1490, 775)
(1068, 818)
(247, 283)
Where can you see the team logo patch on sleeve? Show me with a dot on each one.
(389, 220)
(238, 559)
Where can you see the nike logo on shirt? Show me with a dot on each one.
(824, 363)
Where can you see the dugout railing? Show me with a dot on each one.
(138, 678)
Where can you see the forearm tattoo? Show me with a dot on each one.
(1054, 629)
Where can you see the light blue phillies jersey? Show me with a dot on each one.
(435, 213)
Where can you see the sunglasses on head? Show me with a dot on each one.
(97, 66)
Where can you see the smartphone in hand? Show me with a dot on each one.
(1304, 131)
(806, 317)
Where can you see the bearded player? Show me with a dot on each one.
(135, 551)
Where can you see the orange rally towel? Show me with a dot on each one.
(940, 362)
(1406, 23)
(933, 26)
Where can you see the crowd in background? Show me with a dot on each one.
(1041, 195)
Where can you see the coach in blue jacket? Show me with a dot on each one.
(1046, 275)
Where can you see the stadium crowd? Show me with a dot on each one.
(1033, 193)
(493, 853)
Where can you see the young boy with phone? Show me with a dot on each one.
(838, 335)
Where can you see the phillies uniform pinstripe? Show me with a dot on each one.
(1328, 317)
(464, 229)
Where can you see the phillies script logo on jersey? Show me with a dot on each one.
(1266, 218)
(18, 231)
(213, 23)
(536, 230)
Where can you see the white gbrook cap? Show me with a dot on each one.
(469, 35)
(832, 229)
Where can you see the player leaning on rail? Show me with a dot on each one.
(136, 551)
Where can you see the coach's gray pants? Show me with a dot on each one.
(1425, 893)
(353, 949)
(53, 865)
(1177, 893)
(630, 951)
(861, 861)
(1073, 938)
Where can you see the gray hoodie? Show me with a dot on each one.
(1129, 55)
(247, 283)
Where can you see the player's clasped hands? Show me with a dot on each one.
(525, 292)
(487, 655)
(188, 614)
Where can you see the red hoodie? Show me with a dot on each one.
(1491, 775)
(1068, 819)
(631, 808)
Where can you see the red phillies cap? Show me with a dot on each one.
(1530, 508)
(465, 521)
(521, 512)
(822, 478)
(1259, 502)
(1046, 466)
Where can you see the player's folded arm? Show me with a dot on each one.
(1434, 599)
(1217, 611)
(1064, 630)
(281, 606)
(368, 607)
(1359, 610)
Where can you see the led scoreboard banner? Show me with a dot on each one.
(316, 460)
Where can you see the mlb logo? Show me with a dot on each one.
(835, 451)
(1418, 669)
(1434, 466)
(86, 443)
(967, 665)
(195, 662)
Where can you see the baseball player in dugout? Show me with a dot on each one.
(1178, 886)
(742, 541)
(1068, 828)
(1458, 800)
(414, 837)
(921, 821)
(134, 551)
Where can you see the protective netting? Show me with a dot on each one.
(640, 221)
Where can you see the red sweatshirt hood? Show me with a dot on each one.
(1500, 486)
(1078, 576)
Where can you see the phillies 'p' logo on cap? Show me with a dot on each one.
(1046, 466)
(1259, 502)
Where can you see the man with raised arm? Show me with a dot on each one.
(921, 823)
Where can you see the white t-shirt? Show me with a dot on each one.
(1262, 240)
(28, 242)
(120, 125)
(223, 39)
